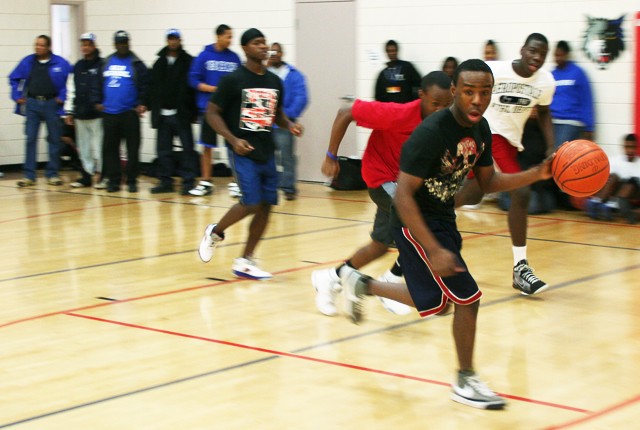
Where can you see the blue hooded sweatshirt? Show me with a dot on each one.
(208, 68)
(295, 97)
(572, 100)
(59, 70)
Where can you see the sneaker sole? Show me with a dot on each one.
(247, 276)
(328, 312)
(395, 308)
(538, 291)
(492, 406)
(203, 243)
(353, 308)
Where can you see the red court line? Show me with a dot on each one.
(593, 415)
(318, 360)
(154, 295)
(73, 210)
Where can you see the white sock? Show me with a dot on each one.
(519, 254)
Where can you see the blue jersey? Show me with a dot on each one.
(120, 91)
(208, 68)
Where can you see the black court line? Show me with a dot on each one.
(169, 254)
(312, 347)
(565, 242)
(130, 260)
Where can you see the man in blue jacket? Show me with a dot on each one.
(215, 61)
(572, 106)
(294, 103)
(39, 88)
(120, 97)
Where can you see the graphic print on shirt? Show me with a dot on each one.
(258, 108)
(114, 75)
(515, 97)
(220, 66)
(454, 169)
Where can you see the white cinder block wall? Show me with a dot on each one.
(146, 21)
(427, 31)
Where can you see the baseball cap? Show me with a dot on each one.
(173, 32)
(88, 36)
(121, 36)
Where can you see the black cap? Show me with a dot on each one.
(249, 35)
(121, 36)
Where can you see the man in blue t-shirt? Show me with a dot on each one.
(215, 61)
(119, 96)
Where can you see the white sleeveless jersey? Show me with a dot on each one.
(513, 98)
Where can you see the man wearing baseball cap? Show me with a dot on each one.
(84, 115)
(120, 98)
(172, 102)
(243, 111)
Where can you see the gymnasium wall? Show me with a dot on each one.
(428, 31)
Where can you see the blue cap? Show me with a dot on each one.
(173, 32)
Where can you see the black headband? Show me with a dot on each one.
(249, 35)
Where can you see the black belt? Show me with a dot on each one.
(42, 98)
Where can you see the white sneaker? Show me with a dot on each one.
(355, 288)
(471, 391)
(391, 305)
(472, 207)
(101, 185)
(204, 188)
(247, 268)
(208, 243)
(327, 285)
(234, 190)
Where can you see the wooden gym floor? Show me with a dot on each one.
(110, 321)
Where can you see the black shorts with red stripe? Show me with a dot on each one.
(429, 291)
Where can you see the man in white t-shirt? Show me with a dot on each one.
(520, 86)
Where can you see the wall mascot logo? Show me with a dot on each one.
(603, 41)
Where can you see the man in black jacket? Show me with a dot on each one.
(173, 108)
(399, 81)
(84, 115)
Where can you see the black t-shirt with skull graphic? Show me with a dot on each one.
(442, 152)
(249, 104)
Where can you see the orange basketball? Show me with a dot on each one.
(580, 168)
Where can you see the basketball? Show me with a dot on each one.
(580, 168)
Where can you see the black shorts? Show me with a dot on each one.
(381, 228)
(430, 292)
(208, 136)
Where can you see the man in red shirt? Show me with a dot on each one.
(392, 123)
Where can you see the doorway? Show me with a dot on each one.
(325, 54)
